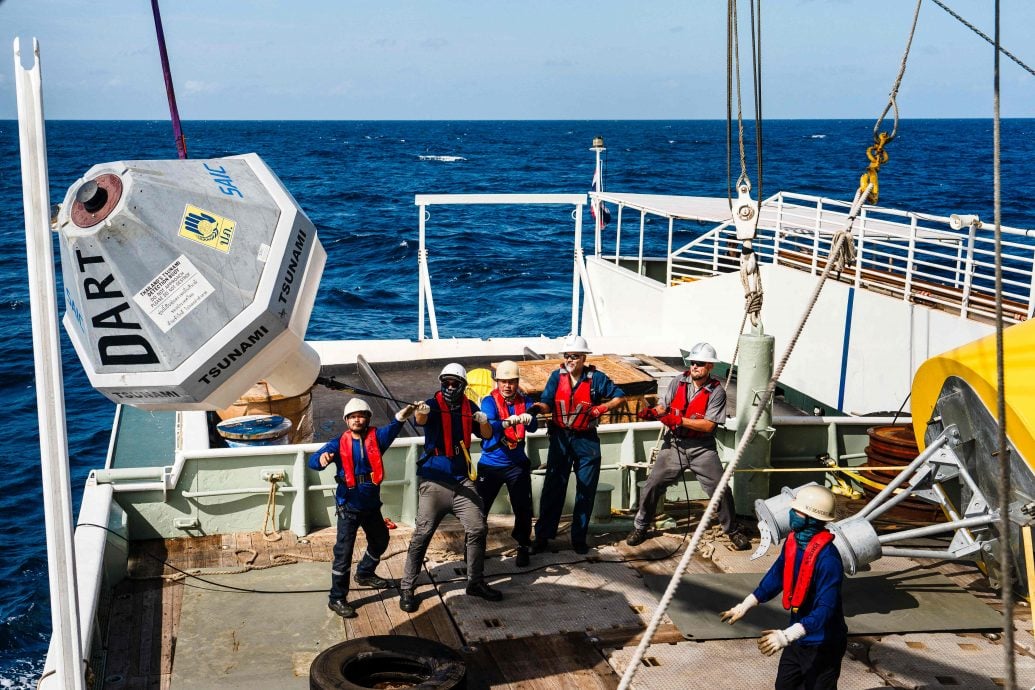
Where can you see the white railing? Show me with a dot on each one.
(915, 257)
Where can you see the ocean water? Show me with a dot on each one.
(494, 273)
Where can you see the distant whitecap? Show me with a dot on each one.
(818, 136)
(443, 159)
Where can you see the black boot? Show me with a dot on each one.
(480, 589)
(342, 609)
(408, 601)
(637, 536)
(522, 557)
(372, 581)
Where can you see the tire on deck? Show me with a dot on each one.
(385, 661)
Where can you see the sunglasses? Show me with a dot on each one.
(572, 355)
(695, 363)
(451, 383)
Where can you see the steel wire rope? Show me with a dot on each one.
(836, 257)
(1003, 452)
(980, 33)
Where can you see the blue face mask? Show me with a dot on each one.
(805, 527)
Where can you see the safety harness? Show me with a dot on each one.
(571, 408)
(513, 435)
(697, 405)
(794, 591)
(348, 465)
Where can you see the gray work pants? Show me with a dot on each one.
(435, 500)
(675, 456)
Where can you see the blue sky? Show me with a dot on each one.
(534, 59)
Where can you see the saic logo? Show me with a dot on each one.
(207, 228)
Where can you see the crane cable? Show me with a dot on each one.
(750, 278)
(1003, 453)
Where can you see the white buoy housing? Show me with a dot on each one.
(188, 280)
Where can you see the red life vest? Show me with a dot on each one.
(566, 416)
(794, 591)
(348, 465)
(697, 405)
(447, 426)
(512, 436)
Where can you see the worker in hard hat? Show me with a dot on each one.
(692, 408)
(578, 395)
(446, 483)
(359, 470)
(503, 459)
(810, 574)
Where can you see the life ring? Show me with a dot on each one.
(388, 661)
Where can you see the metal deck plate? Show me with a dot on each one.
(732, 663)
(565, 597)
(947, 661)
(231, 639)
(875, 604)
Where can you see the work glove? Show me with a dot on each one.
(406, 412)
(515, 419)
(672, 419)
(773, 641)
(479, 417)
(423, 408)
(734, 614)
(647, 414)
(597, 410)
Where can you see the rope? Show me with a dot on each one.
(248, 565)
(713, 502)
(271, 510)
(1004, 489)
(876, 153)
(978, 31)
(752, 282)
(736, 351)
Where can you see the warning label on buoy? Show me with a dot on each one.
(173, 293)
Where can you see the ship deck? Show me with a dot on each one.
(565, 622)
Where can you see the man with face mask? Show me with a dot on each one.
(810, 574)
(356, 456)
(503, 459)
(446, 483)
(578, 396)
(692, 408)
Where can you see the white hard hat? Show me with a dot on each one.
(815, 500)
(702, 352)
(506, 370)
(576, 343)
(357, 405)
(455, 370)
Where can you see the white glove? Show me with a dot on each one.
(524, 418)
(734, 614)
(515, 419)
(773, 641)
(423, 408)
(406, 412)
(479, 417)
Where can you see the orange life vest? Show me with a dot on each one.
(447, 426)
(566, 410)
(794, 591)
(697, 405)
(348, 465)
(513, 435)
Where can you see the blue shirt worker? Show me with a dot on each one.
(692, 408)
(810, 574)
(577, 395)
(359, 470)
(446, 483)
(503, 459)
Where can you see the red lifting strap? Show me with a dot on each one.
(447, 425)
(794, 592)
(348, 466)
(515, 434)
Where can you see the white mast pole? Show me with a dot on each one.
(50, 395)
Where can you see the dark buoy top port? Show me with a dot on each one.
(91, 196)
